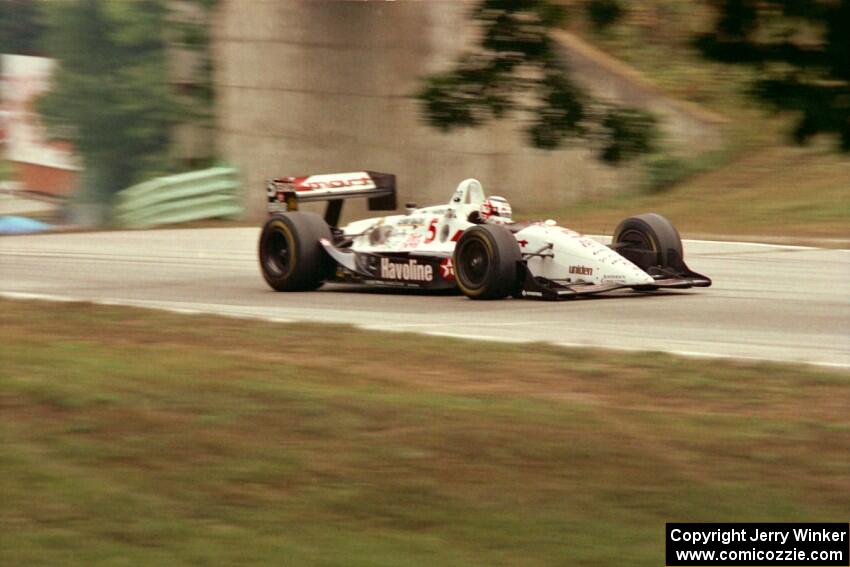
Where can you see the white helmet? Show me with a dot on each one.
(495, 210)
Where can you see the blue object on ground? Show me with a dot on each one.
(21, 225)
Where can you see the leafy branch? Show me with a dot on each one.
(518, 70)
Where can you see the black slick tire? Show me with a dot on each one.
(650, 232)
(486, 260)
(291, 256)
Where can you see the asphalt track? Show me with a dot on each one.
(768, 302)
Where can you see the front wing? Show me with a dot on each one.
(542, 288)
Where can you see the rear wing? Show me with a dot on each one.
(286, 193)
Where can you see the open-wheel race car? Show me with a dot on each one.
(471, 243)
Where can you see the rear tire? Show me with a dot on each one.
(649, 238)
(486, 261)
(291, 256)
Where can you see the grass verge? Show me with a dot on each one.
(146, 438)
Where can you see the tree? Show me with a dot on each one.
(20, 27)
(518, 68)
(802, 51)
(110, 96)
(603, 13)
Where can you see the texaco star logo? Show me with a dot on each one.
(447, 269)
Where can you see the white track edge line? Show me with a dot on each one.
(683, 353)
(371, 327)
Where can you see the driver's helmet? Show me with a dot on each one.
(495, 210)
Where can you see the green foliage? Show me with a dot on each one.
(20, 27)
(603, 13)
(562, 112)
(192, 34)
(518, 68)
(662, 171)
(802, 52)
(628, 133)
(110, 96)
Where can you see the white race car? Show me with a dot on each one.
(471, 243)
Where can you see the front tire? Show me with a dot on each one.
(486, 261)
(649, 240)
(291, 256)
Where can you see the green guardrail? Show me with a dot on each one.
(206, 194)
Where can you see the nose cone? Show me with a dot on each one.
(639, 277)
(627, 273)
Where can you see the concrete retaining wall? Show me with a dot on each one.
(325, 86)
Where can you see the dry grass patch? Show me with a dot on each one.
(796, 194)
